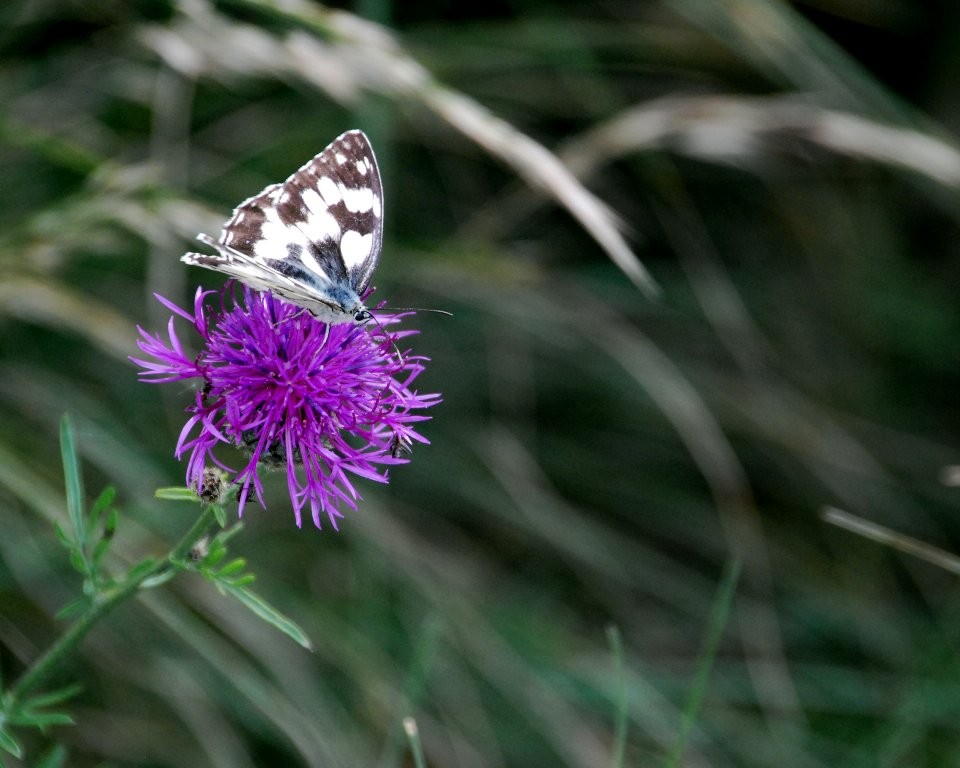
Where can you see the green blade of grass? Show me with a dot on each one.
(620, 720)
(718, 620)
(72, 479)
(268, 613)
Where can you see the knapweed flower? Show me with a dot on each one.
(325, 403)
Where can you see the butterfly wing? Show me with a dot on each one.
(314, 235)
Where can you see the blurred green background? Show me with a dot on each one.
(788, 174)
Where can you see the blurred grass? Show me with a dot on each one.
(599, 456)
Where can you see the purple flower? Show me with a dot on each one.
(324, 402)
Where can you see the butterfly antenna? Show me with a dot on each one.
(386, 335)
(417, 309)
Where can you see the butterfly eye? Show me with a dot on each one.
(362, 316)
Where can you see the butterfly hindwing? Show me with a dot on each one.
(315, 239)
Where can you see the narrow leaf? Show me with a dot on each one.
(234, 566)
(79, 562)
(269, 614)
(43, 720)
(110, 526)
(63, 537)
(215, 555)
(242, 580)
(141, 568)
(720, 612)
(73, 481)
(73, 608)
(55, 758)
(176, 493)
(9, 744)
(99, 551)
(54, 697)
(620, 713)
(102, 503)
(160, 578)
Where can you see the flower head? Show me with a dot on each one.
(325, 403)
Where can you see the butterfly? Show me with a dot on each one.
(313, 240)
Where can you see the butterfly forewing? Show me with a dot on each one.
(315, 239)
(341, 193)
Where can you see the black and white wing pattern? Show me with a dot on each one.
(313, 240)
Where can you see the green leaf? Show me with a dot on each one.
(9, 744)
(269, 614)
(141, 568)
(621, 711)
(215, 555)
(99, 551)
(44, 720)
(242, 580)
(719, 614)
(73, 608)
(54, 697)
(79, 562)
(55, 758)
(176, 493)
(160, 578)
(110, 526)
(71, 474)
(102, 503)
(234, 566)
(62, 536)
(225, 536)
(220, 514)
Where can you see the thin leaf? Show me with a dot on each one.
(110, 526)
(269, 614)
(215, 555)
(55, 758)
(54, 697)
(99, 551)
(102, 503)
(73, 608)
(176, 493)
(9, 744)
(226, 535)
(242, 581)
(160, 578)
(72, 479)
(234, 566)
(718, 620)
(44, 720)
(620, 720)
(79, 562)
(63, 537)
(140, 568)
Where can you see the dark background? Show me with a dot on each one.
(599, 457)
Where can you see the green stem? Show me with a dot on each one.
(41, 669)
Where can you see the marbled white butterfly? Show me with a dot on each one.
(313, 240)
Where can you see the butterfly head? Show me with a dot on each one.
(337, 304)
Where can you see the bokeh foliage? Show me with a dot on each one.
(601, 453)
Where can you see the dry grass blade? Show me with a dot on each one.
(368, 56)
(40, 301)
(893, 539)
(738, 130)
(543, 170)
